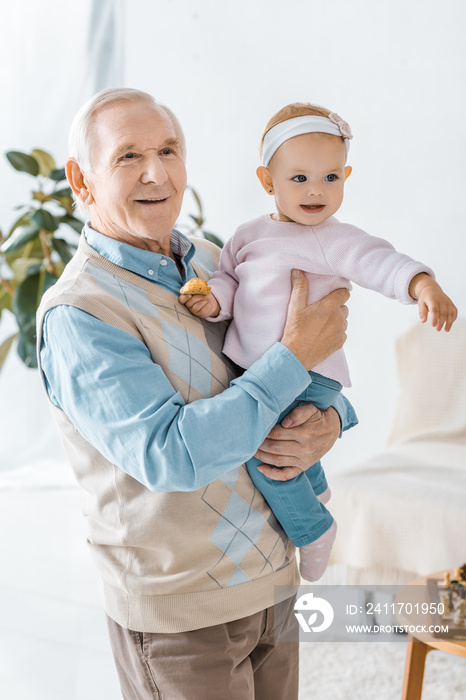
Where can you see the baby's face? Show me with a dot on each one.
(308, 174)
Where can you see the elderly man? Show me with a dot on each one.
(157, 423)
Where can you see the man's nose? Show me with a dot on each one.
(154, 171)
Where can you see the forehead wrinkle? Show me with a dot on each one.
(111, 123)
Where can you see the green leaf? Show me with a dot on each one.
(198, 200)
(63, 192)
(24, 267)
(213, 238)
(23, 162)
(5, 348)
(58, 175)
(64, 197)
(32, 249)
(44, 220)
(5, 300)
(41, 197)
(197, 220)
(72, 221)
(20, 236)
(28, 294)
(22, 221)
(26, 299)
(67, 203)
(45, 161)
(27, 351)
(62, 248)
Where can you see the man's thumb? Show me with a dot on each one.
(299, 289)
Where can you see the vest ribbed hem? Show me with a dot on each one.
(191, 611)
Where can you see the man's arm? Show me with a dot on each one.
(105, 381)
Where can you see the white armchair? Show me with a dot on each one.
(402, 513)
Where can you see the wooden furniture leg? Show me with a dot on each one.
(414, 669)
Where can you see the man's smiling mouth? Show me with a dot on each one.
(151, 201)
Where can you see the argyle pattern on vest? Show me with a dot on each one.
(237, 538)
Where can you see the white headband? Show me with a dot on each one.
(278, 134)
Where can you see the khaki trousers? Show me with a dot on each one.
(238, 660)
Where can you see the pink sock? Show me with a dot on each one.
(325, 496)
(314, 556)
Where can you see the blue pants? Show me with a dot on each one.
(294, 502)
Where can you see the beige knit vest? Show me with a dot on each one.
(169, 562)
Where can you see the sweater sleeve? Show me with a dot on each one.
(122, 403)
(224, 283)
(370, 262)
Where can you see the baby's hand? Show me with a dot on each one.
(432, 300)
(201, 305)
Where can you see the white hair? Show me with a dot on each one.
(80, 131)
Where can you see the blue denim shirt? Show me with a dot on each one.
(106, 382)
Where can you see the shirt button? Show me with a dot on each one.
(150, 272)
(163, 262)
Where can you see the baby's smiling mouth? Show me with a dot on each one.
(312, 208)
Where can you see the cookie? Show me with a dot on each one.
(196, 286)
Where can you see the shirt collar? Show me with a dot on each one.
(142, 262)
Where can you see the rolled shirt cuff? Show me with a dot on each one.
(281, 374)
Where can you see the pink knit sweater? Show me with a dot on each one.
(253, 284)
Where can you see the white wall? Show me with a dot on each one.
(394, 70)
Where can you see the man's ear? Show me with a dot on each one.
(348, 171)
(78, 182)
(265, 178)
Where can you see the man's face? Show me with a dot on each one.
(137, 177)
(308, 174)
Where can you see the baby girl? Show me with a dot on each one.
(304, 150)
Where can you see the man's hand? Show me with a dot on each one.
(201, 305)
(314, 332)
(303, 437)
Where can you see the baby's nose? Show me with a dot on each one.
(314, 188)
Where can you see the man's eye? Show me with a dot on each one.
(128, 156)
(300, 178)
(331, 178)
(167, 151)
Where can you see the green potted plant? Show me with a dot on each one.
(37, 247)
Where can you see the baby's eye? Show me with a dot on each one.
(331, 178)
(300, 178)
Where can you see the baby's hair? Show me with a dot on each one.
(295, 109)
